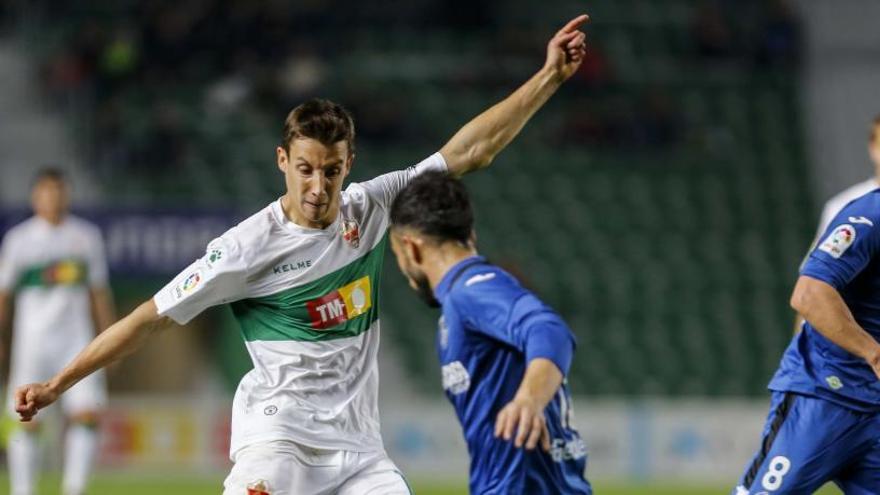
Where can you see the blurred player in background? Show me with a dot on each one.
(53, 265)
(836, 203)
(303, 279)
(504, 354)
(825, 409)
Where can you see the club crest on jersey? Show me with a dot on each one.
(341, 305)
(839, 240)
(260, 487)
(350, 233)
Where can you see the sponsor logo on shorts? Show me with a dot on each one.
(839, 240)
(562, 450)
(341, 305)
(270, 410)
(456, 379)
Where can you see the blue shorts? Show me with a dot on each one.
(808, 442)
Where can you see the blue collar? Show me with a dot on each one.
(453, 273)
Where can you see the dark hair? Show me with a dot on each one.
(437, 205)
(50, 173)
(321, 120)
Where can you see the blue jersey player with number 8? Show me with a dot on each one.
(824, 422)
(504, 354)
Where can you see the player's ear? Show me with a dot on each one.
(413, 248)
(282, 159)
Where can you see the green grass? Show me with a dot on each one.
(117, 484)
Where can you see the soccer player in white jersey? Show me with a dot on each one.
(53, 266)
(302, 277)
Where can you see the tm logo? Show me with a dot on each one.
(343, 304)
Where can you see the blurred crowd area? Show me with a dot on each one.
(165, 81)
(660, 201)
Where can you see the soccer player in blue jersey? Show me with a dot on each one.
(824, 423)
(504, 354)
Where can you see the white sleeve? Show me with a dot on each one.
(7, 265)
(216, 278)
(385, 187)
(97, 260)
(828, 213)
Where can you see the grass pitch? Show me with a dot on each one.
(130, 485)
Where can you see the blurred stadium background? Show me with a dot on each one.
(661, 202)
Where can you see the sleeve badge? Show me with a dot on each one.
(839, 240)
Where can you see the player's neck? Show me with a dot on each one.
(444, 258)
(53, 220)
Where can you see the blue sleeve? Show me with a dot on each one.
(502, 310)
(848, 244)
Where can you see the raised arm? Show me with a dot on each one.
(118, 341)
(476, 144)
(827, 312)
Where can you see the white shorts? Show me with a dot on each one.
(89, 395)
(287, 468)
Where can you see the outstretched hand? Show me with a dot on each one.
(30, 398)
(567, 49)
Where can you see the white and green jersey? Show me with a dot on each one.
(51, 268)
(308, 305)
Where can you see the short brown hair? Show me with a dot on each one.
(50, 172)
(319, 119)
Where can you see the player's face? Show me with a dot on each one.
(49, 199)
(314, 173)
(407, 253)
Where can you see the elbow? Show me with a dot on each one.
(803, 296)
(798, 301)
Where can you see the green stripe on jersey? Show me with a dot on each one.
(341, 304)
(58, 272)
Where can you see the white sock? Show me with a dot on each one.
(80, 447)
(24, 461)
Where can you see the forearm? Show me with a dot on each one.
(540, 382)
(116, 342)
(476, 144)
(821, 305)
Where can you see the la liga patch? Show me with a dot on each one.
(839, 240)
